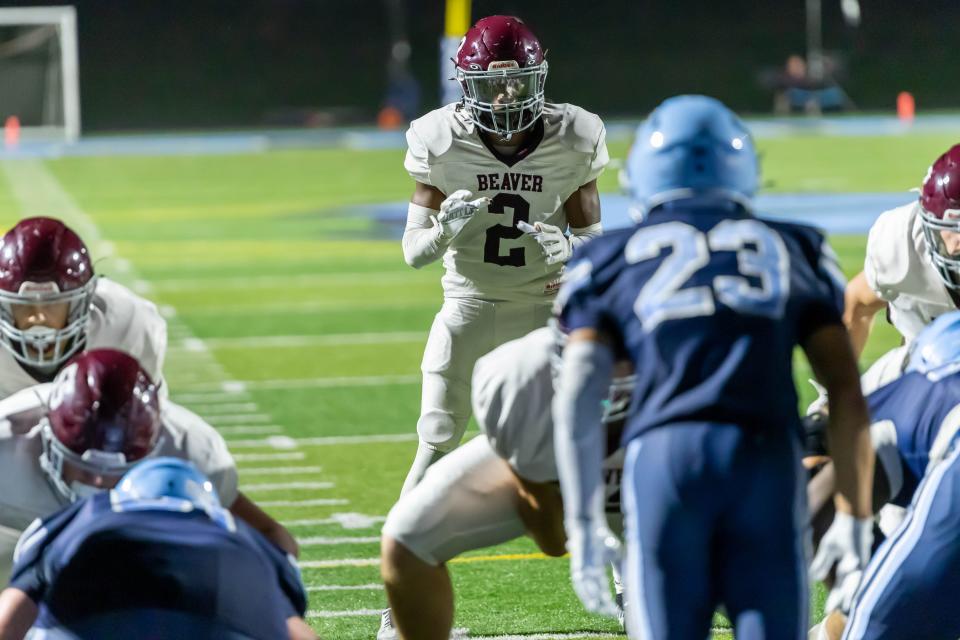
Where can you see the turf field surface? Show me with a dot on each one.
(296, 328)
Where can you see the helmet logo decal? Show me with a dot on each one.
(497, 65)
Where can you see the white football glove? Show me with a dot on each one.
(456, 211)
(846, 545)
(552, 240)
(593, 547)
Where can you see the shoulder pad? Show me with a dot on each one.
(579, 129)
(890, 251)
(437, 130)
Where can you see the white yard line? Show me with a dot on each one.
(216, 395)
(343, 562)
(344, 614)
(313, 502)
(346, 587)
(264, 457)
(332, 382)
(280, 471)
(321, 541)
(284, 486)
(249, 429)
(345, 520)
(284, 442)
(191, 284)
(221, 408)
(264, 342)
(237, 418)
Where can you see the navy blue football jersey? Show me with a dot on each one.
(925, 412)
(709, 305)
(92, 560)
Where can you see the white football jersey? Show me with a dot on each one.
(28, 493)
(119, 319)
(512, 402)
(491, 259)
(898, 269)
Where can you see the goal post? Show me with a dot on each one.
(39, 71)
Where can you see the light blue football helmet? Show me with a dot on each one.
(937, 347)
(169, 484)
(692, 147)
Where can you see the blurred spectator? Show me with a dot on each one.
(796, 90)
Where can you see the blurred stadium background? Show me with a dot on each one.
(230, 169)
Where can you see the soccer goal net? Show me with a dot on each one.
(39, 77)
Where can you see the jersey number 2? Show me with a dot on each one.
(663, 296)
(498, 232)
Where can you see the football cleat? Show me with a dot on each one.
(386, 631)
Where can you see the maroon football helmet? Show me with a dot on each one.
(43, 262)
(502, 71)
(103, 417)
(940, 211)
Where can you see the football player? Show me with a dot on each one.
(499, 178)
(155, 557)
(99, 416)
(495, 488)
(708, 302)
(53, 305)
(916, 420)
(912, 266)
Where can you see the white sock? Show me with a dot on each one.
(425, 457)
(617, 579)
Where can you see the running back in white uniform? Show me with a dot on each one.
(498, 285)
(898, 269)
(490, 259)
(119, 319)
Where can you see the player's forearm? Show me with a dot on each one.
(848, 435)
(422, 241)
(580, 436)
(861, 304)
(17, 614)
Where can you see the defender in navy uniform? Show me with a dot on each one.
(908, 589)
(157, 557)
(708, 302)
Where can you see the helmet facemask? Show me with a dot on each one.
(40, 347)
(947, 264)
(75, 476)
(505, 99)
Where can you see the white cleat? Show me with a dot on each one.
(386, 631)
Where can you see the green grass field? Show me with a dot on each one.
(271, 283)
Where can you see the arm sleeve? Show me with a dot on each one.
(421, 237)
(417, 159)
(580, 436)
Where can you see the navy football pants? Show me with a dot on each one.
(909, 590)
(715, 516)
